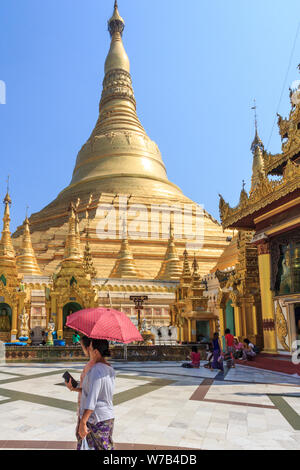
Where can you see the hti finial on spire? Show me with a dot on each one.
(116, 24)
(257, 143)
(255, 115)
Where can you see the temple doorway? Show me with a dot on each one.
(5, 317)
(68, 309)
(230, 317)
(202, 328)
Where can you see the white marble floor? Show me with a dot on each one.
(245, 409)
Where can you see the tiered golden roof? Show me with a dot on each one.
(186, 275)
(26, 260)
(170, 269)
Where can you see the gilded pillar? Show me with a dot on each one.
(14, 323)
(238, 321)
(60, 333)
(254, 319)
(189, 331)
(267, 304)
(221, 321)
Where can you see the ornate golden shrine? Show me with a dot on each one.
(271, 211)
(72, 287)
(12, 292)
(190, 307)
(239, 290)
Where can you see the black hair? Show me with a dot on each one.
(102, 346)
(246, 340)
(227, 331)
(85, 341)
(194, 349)
(216, 335)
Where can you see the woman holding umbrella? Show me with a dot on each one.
(96, 404)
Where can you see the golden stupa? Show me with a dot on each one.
(120, 167)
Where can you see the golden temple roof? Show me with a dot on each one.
(26, 260)
(171, 268)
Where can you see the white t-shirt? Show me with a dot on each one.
(97, 393)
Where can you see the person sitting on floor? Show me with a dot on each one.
(248, 351)
(209, 355)
(238, 349)
(195, 358)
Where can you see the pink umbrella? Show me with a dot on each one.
(104, 323)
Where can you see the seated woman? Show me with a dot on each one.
(209, 356)
(248, 351)
(195, 358)
(238, 349)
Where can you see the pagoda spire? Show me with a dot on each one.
(257, 149)
(186, 271)
(88, 264)
(26, 260)
(71, 248)
(125, 267)
(77, 230)
(137, 161)
(117, 57)
(170, 269)
(6, 245)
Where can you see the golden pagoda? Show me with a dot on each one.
(12, 296)
(72, 289)
(190, 312)
(171, 268)
(119, 162)
(125, 266)
(26, 260)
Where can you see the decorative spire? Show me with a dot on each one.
(7, 248)
(257, 149)
(77, 230)
(257, 143)
(117, 58)
(186, 272)
(26, 260)
(88, 264)
(170, 269)
(125, 267)
(244, 194)
(116, 24)
(71, 248)
(195, 267)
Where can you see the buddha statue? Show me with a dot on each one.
(4, 320)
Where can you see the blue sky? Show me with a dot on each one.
(196, 68)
